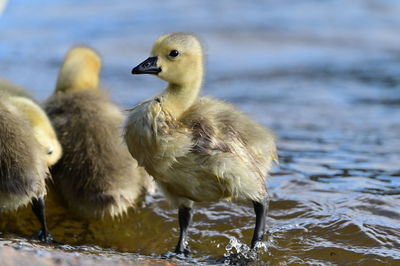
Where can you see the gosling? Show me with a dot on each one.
(197, 149)
(37, 118)
(96, 175)
(28, 146)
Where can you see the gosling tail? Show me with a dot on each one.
(80, 70)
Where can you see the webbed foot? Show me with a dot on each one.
(45, 237)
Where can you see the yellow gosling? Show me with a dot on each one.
(26, 139)
(197, 149)
(42, 128)
(96, 175)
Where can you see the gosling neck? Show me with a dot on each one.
(75, 79)
(177, 98)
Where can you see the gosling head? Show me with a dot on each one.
(52, 147)
(80, 70)
(41, 125)
(176, 58)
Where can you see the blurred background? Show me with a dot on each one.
(323, 74)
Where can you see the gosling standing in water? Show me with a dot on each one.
(96, 175)
(28, 146)
(197, 149)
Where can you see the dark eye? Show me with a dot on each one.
(174, 53)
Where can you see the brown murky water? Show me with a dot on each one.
(324, 75)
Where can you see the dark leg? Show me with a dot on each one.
(260, 208)
(185, 217)
(38, 208)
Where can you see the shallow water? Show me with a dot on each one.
(324, 75)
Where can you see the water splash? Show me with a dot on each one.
(239, 253)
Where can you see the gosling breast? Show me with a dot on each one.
(211, 152)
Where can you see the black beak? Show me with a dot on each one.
(149, 66)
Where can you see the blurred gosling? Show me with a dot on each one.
(96, 175)
(42, 127)
(28, 146)
(197, 149)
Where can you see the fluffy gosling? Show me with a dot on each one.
(96, 175)
(197, 149)
(28, 146)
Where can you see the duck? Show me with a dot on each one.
(96, 176)
(28, 147)
(198, 149)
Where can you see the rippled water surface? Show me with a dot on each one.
(324, 75)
